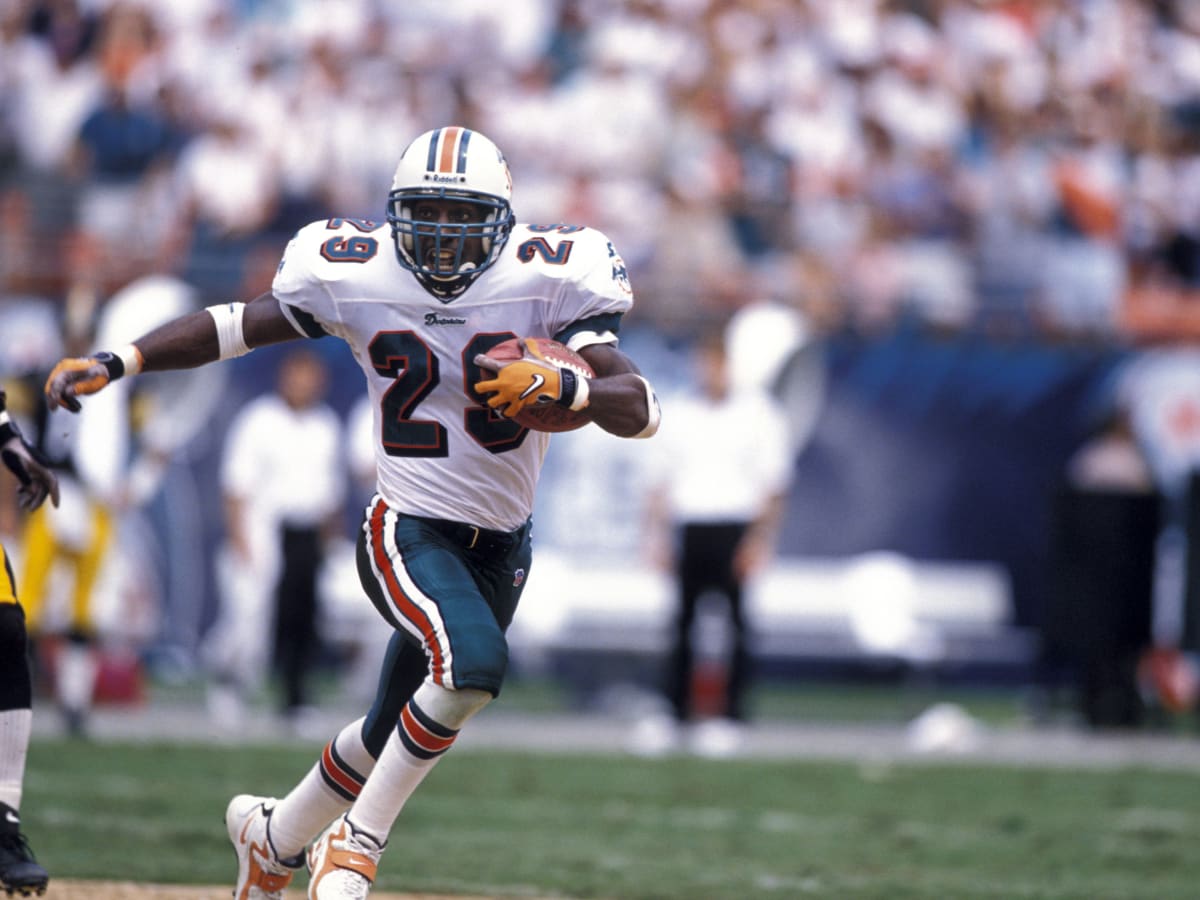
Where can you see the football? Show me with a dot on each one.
(551, 418)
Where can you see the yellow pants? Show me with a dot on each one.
(43, 552)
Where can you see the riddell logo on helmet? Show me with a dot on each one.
(445, 179)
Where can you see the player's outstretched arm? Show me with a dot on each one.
(219, 332)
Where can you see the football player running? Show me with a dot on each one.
(19, 870)
(444, 549)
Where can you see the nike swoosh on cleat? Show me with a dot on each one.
(534, 386)
(10, 816)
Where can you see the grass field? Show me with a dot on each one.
(504, 824)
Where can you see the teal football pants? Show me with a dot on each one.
(450, 590)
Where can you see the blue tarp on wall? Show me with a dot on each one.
(946, 449)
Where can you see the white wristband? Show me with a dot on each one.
(580, 400)
(653, 411)
(131, 356)
(228, 319)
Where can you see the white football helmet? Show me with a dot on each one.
(458, 165)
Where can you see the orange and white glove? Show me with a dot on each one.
(73, 378)
(530, 381)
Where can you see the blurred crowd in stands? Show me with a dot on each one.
(1014, 166)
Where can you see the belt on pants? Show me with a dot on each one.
(472, 537)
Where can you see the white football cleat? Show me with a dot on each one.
(261, 875)
(343, 862)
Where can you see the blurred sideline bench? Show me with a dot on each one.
(602, 621)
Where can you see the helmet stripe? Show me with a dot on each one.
(431, 160)
(462, 151)
(448, 150)
(447, 158)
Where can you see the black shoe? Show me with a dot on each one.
(19, 871)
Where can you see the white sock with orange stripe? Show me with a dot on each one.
(323, 794)
(429, 723)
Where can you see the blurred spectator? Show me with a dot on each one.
(120, 158)
(1161, 389)
(1104, 524)
(58, 80)
(690, 277)
(66, 25)
(228, 191)
(565, 49)
(1084, 270)
(725, 463)
(758, 207)
(283, 493)
(1112, 459)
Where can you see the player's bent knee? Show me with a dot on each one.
(15, 687)
(480, 660)
(451, 708)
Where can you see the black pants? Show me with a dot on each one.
(296, 612)
(705, 564)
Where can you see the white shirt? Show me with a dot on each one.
(722, 461)
(285, 464)
(439, 451)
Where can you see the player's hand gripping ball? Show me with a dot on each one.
(529, 377)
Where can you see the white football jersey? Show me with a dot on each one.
(440, 452)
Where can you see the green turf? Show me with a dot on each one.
(883, 700)
(505, 824)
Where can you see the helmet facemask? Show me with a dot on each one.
(447, 256)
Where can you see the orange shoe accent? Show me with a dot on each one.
(261, 878)
(268, 882)
(348, 859)
(341, 858)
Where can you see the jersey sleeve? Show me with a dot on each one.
(300, 287)
(596, 294)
